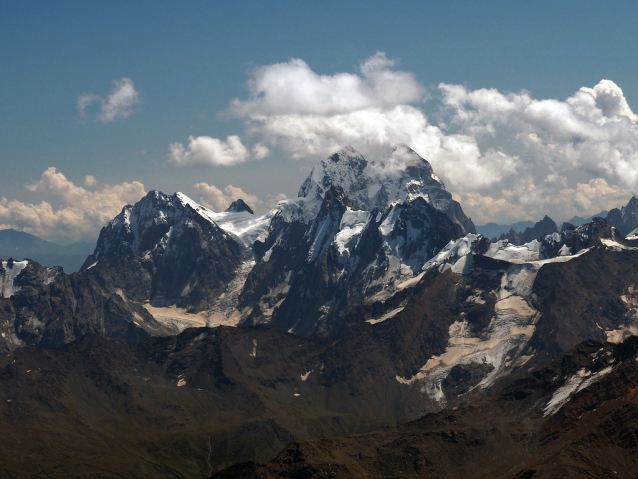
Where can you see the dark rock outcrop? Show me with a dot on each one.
(317, 281)
(526, 431)
(544, 227)
(164, 249)
(239, 206)
(573, 239)
(625, 219)
(512, 236)
(47, 308)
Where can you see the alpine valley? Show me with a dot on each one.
(362, 329)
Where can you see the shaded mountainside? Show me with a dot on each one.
(312, 280)
(577, 417)
(579, 220)
(539, 230)
(165, 250)
(182, 406)
(544, 227)
(47, 308)
(625, 219)
(494, 230)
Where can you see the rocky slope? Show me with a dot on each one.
(544, 227)
(342, 260)
(576, 417)
(182, 406)
(537, 231)
(625, 219)
(355, 233)
(166, 251)
(47, 308)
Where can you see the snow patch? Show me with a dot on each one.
(465, 265)
(574, 384)
(7, 281)
(509, 330)
(619, 335)
(350, 228)
(388, 315)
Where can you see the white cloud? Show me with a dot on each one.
(527, 201)
(293, 88)
(611, 100)
(260, 151)
(507, 155)
(81, 212)
(119, 104)
(284, 93)
(204, 150)
(580, 155)
(219, 200)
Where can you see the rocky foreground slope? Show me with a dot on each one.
(44, 307)
(189, 405)
(576, 417)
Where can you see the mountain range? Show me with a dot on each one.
(20, 245)
(192, 340)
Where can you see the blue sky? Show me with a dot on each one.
(189, 60)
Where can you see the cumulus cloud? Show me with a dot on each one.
(119, 104)
(283, 94)
(218, 200)
(80, 211)
(293, 88)
(204, 150)
(506, 155)
(527, 201)
(576, 156)
(610, 100)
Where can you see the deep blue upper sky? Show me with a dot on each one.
(188, 60)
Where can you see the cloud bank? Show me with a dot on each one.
(119, 104)
(70, 211)
(81, 212)
(505, 156)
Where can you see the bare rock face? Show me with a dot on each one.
(44, 307)
(239, 206)
(357, 229)
(165, 249)
(625, 219)
(544, 227)
(478, 317)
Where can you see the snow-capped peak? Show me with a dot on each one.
(401, 177)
